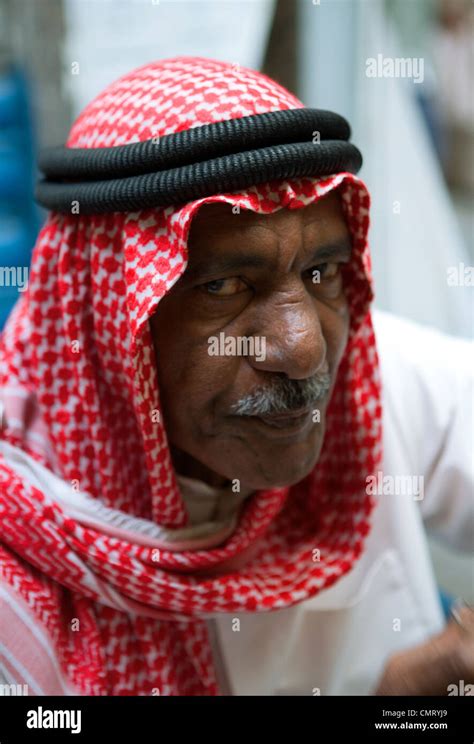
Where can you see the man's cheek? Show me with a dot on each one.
(193, 389)
(336, 333)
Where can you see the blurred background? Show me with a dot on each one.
(416, 131)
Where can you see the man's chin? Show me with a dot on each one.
(280, 474)
(278, 461)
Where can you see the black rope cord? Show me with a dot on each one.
(193, 145)
(193, 180)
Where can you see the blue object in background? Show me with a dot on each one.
(19, 215)
(447, 602)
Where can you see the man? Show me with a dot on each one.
(193, 468)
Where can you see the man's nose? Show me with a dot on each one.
(294, 341)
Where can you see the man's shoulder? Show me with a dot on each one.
(427, 383)
(427, 396)
(409, 351)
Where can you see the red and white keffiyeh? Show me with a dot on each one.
(86, 605)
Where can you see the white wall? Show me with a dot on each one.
(108, 38)
(415, 241)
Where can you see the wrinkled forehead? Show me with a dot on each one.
(222, 219)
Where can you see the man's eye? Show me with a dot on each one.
(224, 287)
(324, 271)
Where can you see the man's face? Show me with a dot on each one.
(248, 342)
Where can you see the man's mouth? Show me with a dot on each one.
(284, 424)
(283, 420)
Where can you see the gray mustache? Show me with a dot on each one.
(284, 396)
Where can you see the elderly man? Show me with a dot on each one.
(197, 493)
